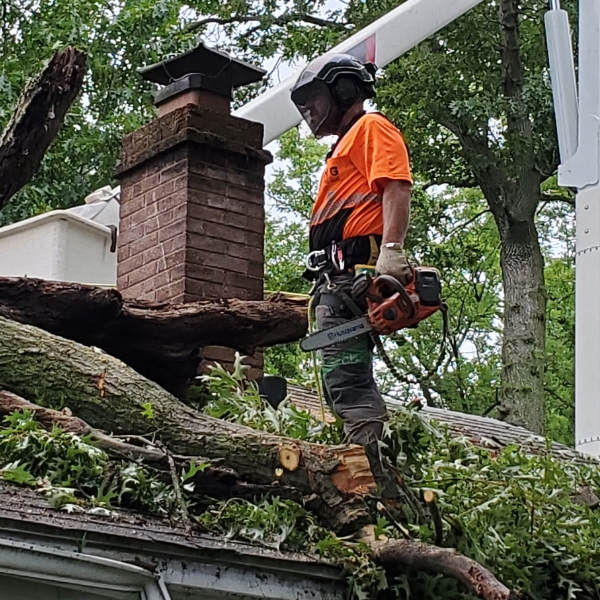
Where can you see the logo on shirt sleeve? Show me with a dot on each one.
(334, 173)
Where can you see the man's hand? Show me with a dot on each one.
(392, 261)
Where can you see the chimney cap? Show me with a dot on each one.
(211, 64)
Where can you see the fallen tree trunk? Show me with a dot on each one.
(40, 112)
(399, 556)
(110, 396)
(213, 482)
(160, 341)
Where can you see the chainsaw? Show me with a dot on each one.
(390, 306)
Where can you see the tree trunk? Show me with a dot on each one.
(110, 396)
(38, 117)
(513, 204)
(523, 345)
(510, 180)
(160, 341)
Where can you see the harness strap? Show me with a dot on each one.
(342, 257)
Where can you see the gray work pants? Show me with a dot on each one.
(347, 373)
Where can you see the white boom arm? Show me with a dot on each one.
(382, 42)
(580, 168)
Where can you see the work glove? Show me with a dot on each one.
(392, 261)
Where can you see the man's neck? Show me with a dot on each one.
(348, 117)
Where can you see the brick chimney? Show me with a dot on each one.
(192, 191)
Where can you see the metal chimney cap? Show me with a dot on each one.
(207, 62)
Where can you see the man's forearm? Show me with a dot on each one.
(396, 211)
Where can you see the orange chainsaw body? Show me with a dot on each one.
(392, 306)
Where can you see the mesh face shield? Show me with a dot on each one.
(317, 107)
(313, 96)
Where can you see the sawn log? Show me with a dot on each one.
(213, 482)
(110, 396)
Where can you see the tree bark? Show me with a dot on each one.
(39, 115)
(160, 341)
(512, 190)
(513, 199)
(110, 396)
(397, 556)
(523, 344)
(212, 483)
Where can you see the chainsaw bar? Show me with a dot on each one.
(336, 335)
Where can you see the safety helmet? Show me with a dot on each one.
(328, 86)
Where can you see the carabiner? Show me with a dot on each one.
(315, 254)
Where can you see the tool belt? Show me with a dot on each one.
(342, 257)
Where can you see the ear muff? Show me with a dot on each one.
(345, 92)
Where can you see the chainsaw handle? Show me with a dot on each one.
(385, 283)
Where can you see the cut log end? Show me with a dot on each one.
(429, 496)
(289, 457)
(353, 473)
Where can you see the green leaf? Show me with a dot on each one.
(17, 473)
(195, 467)
(148, 410)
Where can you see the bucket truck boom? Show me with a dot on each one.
(578, 119)
(381, 42)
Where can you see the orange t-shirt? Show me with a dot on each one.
(349, 200)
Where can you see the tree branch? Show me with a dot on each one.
(281, 20)
(570, 200)
(49, 418)
(39, 115)
(466, 223)
(482, 161)
(436, 516)
(398, 555)
(516, 120)
(457, 183)
(214, 481)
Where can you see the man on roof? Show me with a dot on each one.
(360, 217)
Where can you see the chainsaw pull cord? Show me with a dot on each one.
(311, 328)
